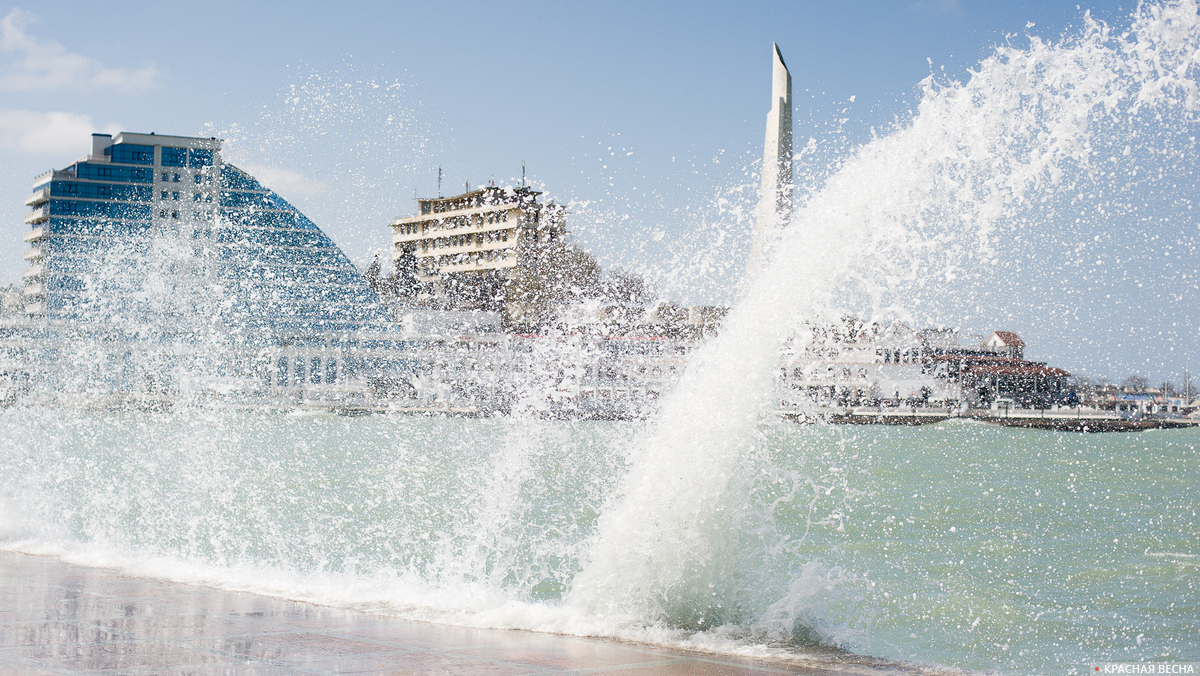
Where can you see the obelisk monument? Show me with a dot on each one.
(775, 192)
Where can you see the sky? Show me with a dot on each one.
(646, 119)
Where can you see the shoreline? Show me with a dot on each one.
(1024, 419)
(60, 617)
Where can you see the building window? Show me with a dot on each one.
(200, 157)
(195, 197)
(175, 178)
(164, 194)
(166, 177)
(130, 153)
(175, 195)
(174, 157)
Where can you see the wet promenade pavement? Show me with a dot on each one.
(56, 618)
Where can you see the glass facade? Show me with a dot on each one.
(224, 271)
(131, 153)
(277, 275)
(278, 268)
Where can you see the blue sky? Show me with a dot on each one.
(642, 116)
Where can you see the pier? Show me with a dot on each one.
(1076, 419)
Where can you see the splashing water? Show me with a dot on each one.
(713, 525)
(930, 195)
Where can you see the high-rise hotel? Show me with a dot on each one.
(97, 225)
(151, 259)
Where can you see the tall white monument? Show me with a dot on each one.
(775, 193)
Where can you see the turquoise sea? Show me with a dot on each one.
(958, 544)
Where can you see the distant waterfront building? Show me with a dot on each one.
(494, 249)
(153, 262)
(1007, 342)
(855, 364)
(94, 227)
(491, 230)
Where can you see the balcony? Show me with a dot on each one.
(33, 272)
(34, 254)
(33, 308)
(38, 215)
(38, 197)
(36, 234)
(33, 289)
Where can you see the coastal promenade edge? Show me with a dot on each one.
(57, 618)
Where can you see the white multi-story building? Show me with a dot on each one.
(490, 229)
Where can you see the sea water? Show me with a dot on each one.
(713, 524)
(957, 544)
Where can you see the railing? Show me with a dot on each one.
(38, 215)
(38, 197)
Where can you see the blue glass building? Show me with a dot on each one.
(276, 272)
(153, 262)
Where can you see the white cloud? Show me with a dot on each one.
(54, 132)
(46, 65)
(284, 181)
(937, 7)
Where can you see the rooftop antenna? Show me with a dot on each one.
(439, 182)
(466, 186)
(522, 173)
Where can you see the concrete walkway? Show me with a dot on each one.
(56, 618)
